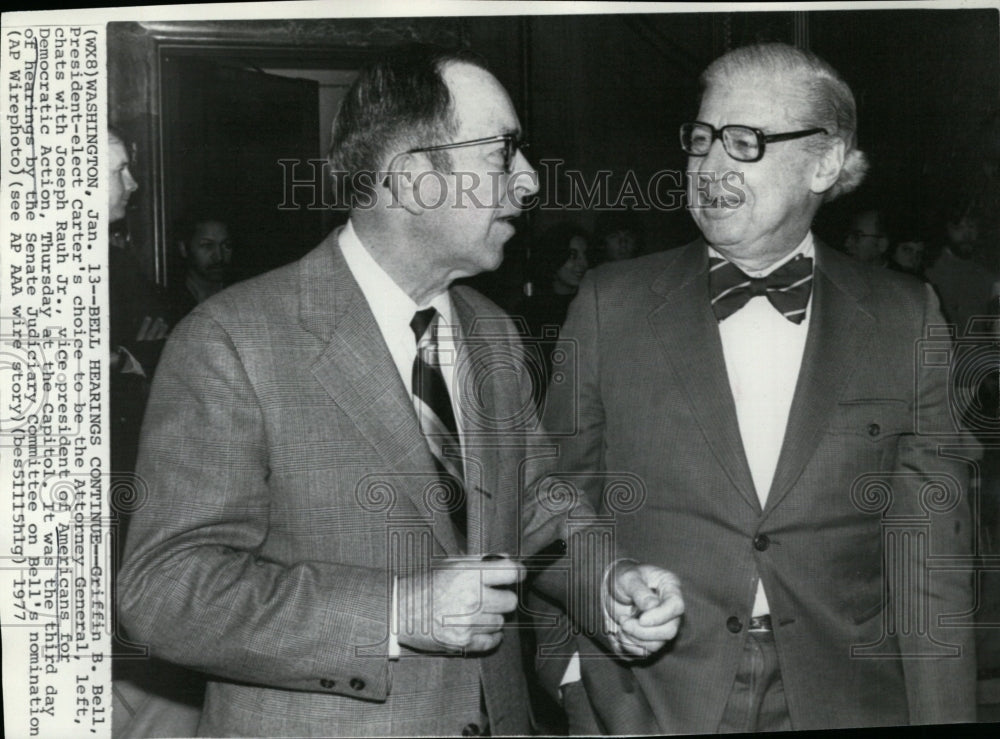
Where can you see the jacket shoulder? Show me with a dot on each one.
(482, 317)
(887, 289)
(272, 297)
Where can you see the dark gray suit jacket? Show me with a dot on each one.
(864, 496)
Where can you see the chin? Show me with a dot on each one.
(720, 233)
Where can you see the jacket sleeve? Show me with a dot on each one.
(936, 469)
(193, 585)
(574, 479)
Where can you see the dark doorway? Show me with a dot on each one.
(227, 128)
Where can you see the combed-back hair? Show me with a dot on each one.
(827, 101)
(397, 103)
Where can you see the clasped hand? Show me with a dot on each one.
(643, 608)
(458, 605)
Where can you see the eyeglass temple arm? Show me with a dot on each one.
(771, 138)
(461, 144)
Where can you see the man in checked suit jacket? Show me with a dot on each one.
(793, 479)
(296, 510)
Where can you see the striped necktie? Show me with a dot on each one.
(437, 419)
(787, 288)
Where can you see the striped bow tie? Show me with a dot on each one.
(787, 287)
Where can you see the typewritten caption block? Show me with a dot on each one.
(54, 562)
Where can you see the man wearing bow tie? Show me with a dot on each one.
(771, 396)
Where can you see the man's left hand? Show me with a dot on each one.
(643, 606)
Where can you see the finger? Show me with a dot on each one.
(670, 608)
(630, 587)
(498, 601)
(487, 623)
(159, 329)
(621, 612)
(660, 633)
(141, 335)
(642, 648)
(504, 571)
(484, 642)
(628, 646)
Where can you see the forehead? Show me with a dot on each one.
(753, 100)
(117, 152)
(481, 105)
(211, 230)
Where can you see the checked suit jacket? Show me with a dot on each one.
(869, 500)
(288, 481)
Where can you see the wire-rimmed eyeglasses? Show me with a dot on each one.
(512, 142)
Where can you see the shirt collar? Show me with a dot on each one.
(806, 248)
(388, 301)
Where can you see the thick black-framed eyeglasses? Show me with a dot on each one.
(512, 142)
(742, 143)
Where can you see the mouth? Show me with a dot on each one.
(715, 212)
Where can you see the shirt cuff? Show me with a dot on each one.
(610, 624)
(572, 674)
(394, 620)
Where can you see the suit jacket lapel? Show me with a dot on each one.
(481, 459)
(689, 337)
(839, 329)
(358, 372)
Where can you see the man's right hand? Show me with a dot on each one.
(458, 605)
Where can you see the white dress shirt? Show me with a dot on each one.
(763, 352)
(393, 310)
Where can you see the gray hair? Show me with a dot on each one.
(827, 101)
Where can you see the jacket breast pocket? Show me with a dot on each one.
(874, 420)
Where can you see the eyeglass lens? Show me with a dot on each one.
(739, 142)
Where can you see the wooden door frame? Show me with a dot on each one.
(135, 56)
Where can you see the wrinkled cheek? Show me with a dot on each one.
(430, 190)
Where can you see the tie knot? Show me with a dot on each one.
(758, 286)
(422, 319)
(786, 288)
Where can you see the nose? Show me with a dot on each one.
(523, 181)
(717, 159)
(130, 184)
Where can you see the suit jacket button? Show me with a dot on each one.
(327, 683)
(471, 730)
(761, 542)
(874, 429)
(734, 625)
(357, 683)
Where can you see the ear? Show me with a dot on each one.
(828, 167)
(405, 181)
(182, 248)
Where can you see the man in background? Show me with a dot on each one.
(867, 240)
(206, 247)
